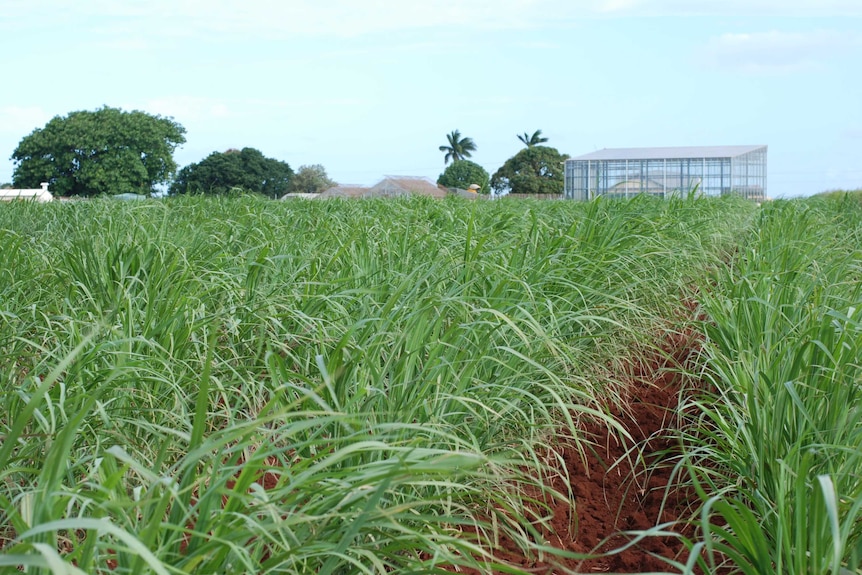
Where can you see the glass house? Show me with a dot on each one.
(710, 170)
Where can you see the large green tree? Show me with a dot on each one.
(106, 151)
(311, 180)
(246, 170)
(462, 174)
(459, 148)
(533, 170)
(534, 140)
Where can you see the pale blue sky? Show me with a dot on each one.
(372, 87)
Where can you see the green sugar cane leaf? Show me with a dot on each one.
(23, 418)
(100, 525)
(827, 488)
(56, 564)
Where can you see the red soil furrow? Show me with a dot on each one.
(618, 489)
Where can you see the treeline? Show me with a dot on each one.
(536, 169)
(111, 151)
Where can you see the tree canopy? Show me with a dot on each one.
(106, 151)
(462, 173)
(459, 148)
(310, 179)
(533, 170)
(246, 170)
(533, 140)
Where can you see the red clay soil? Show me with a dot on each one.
(613, 499)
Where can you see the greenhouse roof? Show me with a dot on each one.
(668, 153)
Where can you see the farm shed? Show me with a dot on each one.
(394, 186)
(40, 194)
(389, 187)
(624, 172)
(344, 191)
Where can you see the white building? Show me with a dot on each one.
(40, 195)
(624, 172)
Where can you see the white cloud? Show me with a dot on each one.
(295, 17)
(192, 109)
(780, 52)
(345, 18)
(21, 120)
(734, 8)
(186, 108)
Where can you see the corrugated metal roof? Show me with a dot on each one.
(668, 153)
(40, 195)
(344, 191)
(406, 185)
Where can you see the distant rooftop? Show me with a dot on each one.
(399, 185)
(389, 186)
(668, 153)
(344, 191)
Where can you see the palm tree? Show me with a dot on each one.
(533, 140)
(458, 148)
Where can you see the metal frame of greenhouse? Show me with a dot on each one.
(710, 170)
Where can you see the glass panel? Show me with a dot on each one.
(744, 174)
